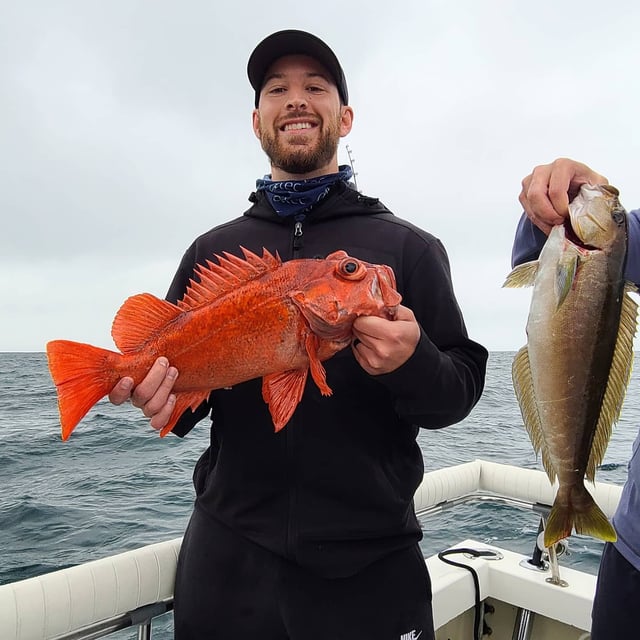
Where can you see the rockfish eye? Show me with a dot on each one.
(351, 269)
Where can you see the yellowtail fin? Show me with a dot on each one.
(524, 275)
(577, 509)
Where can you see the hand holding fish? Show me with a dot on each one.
(382, 345)
(548, 189)
(153, 395)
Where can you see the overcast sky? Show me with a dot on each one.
(125, 131)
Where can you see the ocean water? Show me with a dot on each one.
(115, 485)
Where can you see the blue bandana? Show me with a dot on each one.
(298, 197)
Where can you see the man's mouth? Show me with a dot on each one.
(297, 126)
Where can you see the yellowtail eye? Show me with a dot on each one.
(352, 269)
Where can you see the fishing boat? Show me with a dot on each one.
(479, 590)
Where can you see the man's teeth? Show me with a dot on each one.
(297, 125)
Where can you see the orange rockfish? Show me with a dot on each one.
(571, 378)
(239, 319)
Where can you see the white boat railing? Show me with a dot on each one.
(97, 598)
(476, 480)
(93, 599)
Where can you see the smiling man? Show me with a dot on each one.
(299, 121)
(310, 533)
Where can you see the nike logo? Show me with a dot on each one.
(412, 635)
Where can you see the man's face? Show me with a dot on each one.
(299, 119)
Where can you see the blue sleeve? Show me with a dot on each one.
(529, 240)
(632, 271)
(527, 243)
(625, 519)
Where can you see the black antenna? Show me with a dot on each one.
(352, 162)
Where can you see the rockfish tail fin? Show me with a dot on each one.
(80, 373)
(576, 508)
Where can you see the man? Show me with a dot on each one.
(545, 197)
(310, 533)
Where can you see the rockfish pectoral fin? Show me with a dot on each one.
(283, 392)
(565, 275)
(318, 372)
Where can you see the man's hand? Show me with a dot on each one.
(381, 345)
(153, 394)
(547, 191)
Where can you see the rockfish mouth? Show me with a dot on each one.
(383, 287)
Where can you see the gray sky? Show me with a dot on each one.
(125, 131)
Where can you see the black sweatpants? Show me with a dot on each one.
(228, 588)
(616, 606)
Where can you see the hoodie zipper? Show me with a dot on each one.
(297, 238)
(290, 531)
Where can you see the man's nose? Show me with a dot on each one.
(297, 100)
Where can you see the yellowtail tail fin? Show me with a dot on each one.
(576, 508)
(81, 375)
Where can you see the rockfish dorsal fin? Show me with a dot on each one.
(523, 387)
(619, 375)
(216, 280)
(139, 318)
(524, 275)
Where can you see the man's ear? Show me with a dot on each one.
(346, 120)
(255, 121)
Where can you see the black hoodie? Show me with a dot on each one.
(333, 491)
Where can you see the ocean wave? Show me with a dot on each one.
(116, 485)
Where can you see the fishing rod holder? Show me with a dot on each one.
(543, 558)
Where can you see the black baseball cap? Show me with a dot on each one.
(291, 42)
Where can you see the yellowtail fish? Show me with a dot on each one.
(571, 377)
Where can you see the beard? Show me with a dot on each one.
(303, 159)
